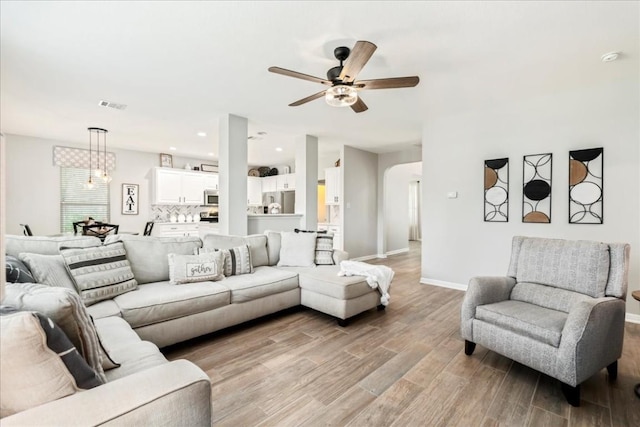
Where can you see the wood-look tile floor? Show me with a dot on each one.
(401, 367)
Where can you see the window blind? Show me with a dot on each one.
(78, 203)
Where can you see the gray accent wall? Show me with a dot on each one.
(458, 244)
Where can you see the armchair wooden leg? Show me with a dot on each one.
(469, 347)
(613, 371)
(572, 394)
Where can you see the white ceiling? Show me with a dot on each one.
(180, 65)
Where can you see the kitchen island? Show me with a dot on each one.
(258, 223)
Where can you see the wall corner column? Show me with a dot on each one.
(232, 148)
(307, 181)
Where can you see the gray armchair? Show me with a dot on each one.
(560, 309)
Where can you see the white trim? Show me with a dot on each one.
(381, 256)
(397, 251)
(632, 318)
(443, 284)
(364, 258)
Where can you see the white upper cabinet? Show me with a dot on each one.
(176, 187)
(286, 182)
(270, 184)
(211, 181)
(254, 191)
(333, 186)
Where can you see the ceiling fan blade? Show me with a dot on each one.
(307, 99)
(359, 106)
(359, 56)
(298, 75)
(390, 83)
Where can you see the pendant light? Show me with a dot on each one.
(100, 173)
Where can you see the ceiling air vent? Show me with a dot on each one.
(112, 105)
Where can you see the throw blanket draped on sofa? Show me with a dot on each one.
(378, 276)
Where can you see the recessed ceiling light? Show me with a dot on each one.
(211, 154)
(611, 56)
(172, 148)
(202, 134)
(278, 149)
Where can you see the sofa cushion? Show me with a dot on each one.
(297, 249)
(263, 282)
(325, 280)
(104, 308)
(49, 270)
(16, 271)
(257, 245)
(99, 273)
(160, 301)
(15, 245)
(30, 373)
(125, 347)
(541, 324)
(196, 268)
(66, 309)
(148, 254)
(546, 296)
(274, 241)
(579, 266)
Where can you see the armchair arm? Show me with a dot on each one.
(482, 290)
(173, 394)
(591, 339)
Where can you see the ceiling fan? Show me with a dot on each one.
(343, 86)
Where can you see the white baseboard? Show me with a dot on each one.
(364, 258)
(632, 318)
(443, 284)
(381, 256)
(397, 251)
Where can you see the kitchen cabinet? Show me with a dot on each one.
(205, 228)
(333, 186)
(286, 182)
(176, 229)
(176, 187)
(211, 181)
(254, 191)
(270, 184)
(336, 230)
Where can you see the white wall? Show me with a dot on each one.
(396, 205)
(457, 244)
(359, 219)
(33, 184)
(385, 162)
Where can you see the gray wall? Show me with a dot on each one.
(359, 174)
(33, 184)
(457, 244)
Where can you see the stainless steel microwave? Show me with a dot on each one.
(211, 198)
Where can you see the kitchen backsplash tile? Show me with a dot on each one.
(164, 212)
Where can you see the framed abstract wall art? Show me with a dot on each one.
(536, 188)
(496, 190)
(585, 186)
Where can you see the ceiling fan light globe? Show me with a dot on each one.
(341, 96)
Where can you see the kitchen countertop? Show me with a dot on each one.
(273, 215)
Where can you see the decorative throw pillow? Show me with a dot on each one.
(324, 250)
(101, 272)
(297, 249)
(16, 271)
(195, 268)
(66, 309)
(39, 363)
(49, 270)
(236, 260)
(297, 230)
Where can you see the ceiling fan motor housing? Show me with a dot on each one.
(334, 73)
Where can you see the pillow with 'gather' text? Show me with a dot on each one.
(196, 268)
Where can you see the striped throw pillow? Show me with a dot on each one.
(324, 249)
(101, 272)
(236, 260)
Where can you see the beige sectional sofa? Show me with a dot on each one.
(132, 326)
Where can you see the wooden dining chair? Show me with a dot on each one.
(148, 228)
(26, 230)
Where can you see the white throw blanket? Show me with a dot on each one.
(378, 276)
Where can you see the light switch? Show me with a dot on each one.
(452, 195)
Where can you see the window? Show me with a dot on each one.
(78, 203)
